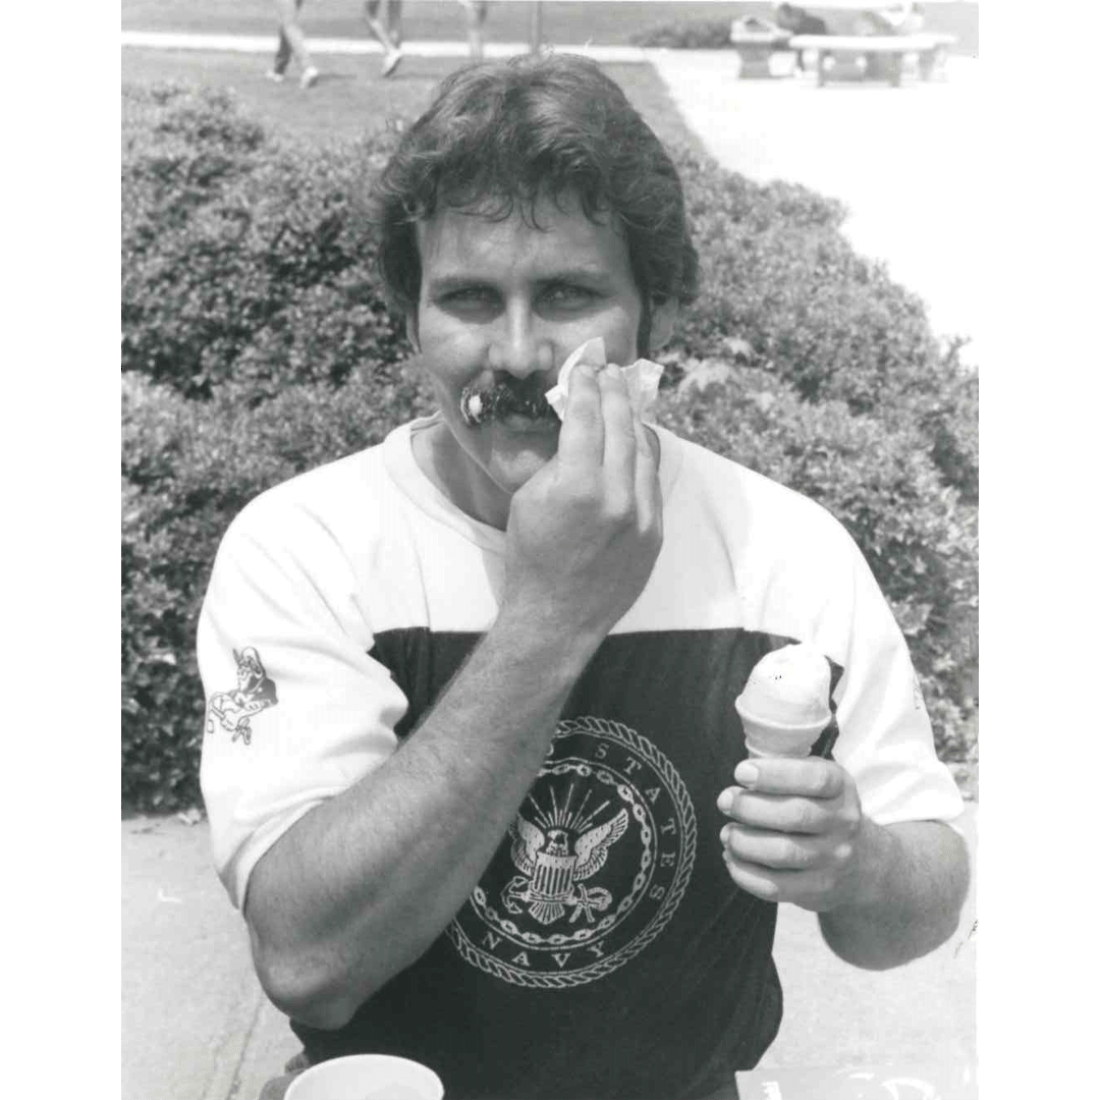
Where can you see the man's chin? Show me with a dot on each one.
(518, 450)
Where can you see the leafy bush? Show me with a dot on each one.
(949, 419)
(256, 345)
(241, 259)
(780, 278)
(685, 34)
(776, 263)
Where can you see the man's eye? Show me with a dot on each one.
(470, 296)
(568, 294)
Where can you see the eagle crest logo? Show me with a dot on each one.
(592, 868)
(556, 856)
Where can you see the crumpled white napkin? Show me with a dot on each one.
(642, 377)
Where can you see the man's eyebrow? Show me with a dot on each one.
(448, 281)
(443, 284)
(582, 274)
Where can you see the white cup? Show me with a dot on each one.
(366, 1077)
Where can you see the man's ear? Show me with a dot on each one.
(412, 331)
(662, 322)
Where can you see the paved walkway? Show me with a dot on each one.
(195, 1023)
(905, 161)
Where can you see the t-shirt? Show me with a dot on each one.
(605, 951)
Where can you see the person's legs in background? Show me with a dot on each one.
(476, 10)
(393, 21)
(392, 56)
(292, 43)
(282, 57)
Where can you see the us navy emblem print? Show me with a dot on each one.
(599, 857)
(552, 861)
(255, 692)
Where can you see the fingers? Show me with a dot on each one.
(598, 427)
(756, 880)
(794, 829)
(809, 777)
(581, 438)
(782, 851)
(806, 888)
(647, 485)
(601, 431)
(619, 443)
(781, 813)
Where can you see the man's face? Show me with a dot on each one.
(502, 304)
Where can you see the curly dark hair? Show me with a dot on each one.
(500, 133)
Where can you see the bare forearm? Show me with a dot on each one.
(362, 885)
(913, 879)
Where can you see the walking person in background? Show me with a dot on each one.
(476, 11)
(385, 25)
(292, 44)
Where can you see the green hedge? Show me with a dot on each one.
(685, 34)
(256, 345)
(242, 260)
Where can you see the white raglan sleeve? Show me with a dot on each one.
(296, 710)
(885, 736)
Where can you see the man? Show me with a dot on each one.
(491, 822)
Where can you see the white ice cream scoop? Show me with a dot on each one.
(641, 377)
(785, 703)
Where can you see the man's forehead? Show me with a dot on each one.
(547, 231)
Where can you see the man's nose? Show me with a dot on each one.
(519, 348)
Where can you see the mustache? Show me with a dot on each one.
(479, 404)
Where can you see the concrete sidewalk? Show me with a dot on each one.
(195, 1023)
(196, 1026)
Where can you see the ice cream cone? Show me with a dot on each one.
(785, 703)
(770, 739)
